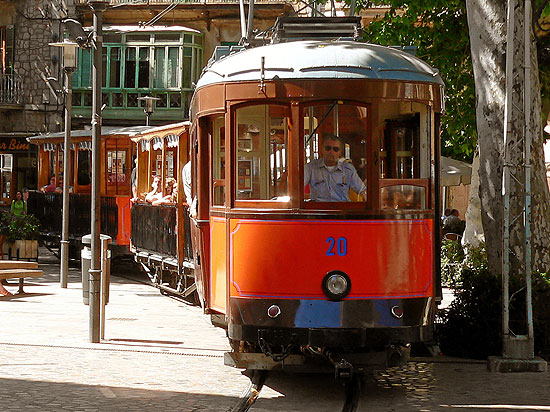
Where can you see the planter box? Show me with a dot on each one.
(23, 249)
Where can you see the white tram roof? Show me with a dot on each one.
(105, 131)
(318, 60)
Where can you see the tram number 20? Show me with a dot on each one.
(337, 246)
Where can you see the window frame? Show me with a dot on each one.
(233, 136)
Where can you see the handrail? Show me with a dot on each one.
(11, 89)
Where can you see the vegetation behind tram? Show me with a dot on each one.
(471, 327)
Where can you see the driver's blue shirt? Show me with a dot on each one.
(327, 185)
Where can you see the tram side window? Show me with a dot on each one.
(404, 156)
(218, 163)
(118, 174)
(261, 169)
(335, 149)
(84, 168)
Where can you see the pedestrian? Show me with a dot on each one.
(18, 205)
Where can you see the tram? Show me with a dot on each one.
(115, 188)
(315, 167)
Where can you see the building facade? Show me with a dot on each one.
(151, 48)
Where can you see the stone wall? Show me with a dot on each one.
(36, 24)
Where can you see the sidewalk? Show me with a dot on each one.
(164, 355)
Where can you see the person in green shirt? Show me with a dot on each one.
(18, 205)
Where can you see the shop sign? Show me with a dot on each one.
(13, 144)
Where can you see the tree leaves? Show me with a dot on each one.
(439, 30)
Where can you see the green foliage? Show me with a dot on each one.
(25, 227)
(452, 256)
(439, 30)
(472, 325)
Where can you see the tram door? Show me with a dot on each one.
(218, 221)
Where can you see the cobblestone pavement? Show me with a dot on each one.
(164, 355)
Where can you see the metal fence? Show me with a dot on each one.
(154, 228)
(47, 207)
(11, 89)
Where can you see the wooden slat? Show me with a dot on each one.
(17, 264)
(20, 273)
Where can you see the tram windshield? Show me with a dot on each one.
(335, 150)
(261, 153)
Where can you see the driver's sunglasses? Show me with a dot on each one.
(335, 149)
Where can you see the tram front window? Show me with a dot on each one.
(335, 150)
(261, 153)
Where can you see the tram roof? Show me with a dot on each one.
(318, 60)
(87, 134)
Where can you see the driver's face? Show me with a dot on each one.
(332, 151)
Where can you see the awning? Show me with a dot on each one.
(454, 172)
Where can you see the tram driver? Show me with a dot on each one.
(330, 177)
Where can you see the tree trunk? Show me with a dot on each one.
(473, 234)
(487, 28)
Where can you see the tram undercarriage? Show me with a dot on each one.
(165, 274)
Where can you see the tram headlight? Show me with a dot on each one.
(336, 285)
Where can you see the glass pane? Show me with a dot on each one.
(85, 67)
(88, 99)
(404, 142)
(112, 38)
(84, 168)
(105, 99)
(218, 164)
(403, 197)
(77, 98)
(130, 69)
(132, 100)
(173, 60)
(104, 67)
(173, 37)
(116, 167)
(114, 75)
(261, 142)
(335, 150)
(187, 54)
(163, 102)
(175, 100)
(143, 80)
(160, 65)
(118, 100)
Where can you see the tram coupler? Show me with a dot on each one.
(343, 370)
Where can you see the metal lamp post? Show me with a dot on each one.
(69, 65)
(98, 6)
(149, 106)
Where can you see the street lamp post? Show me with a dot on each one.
(98, 6)
(149, 106)
(69, 65)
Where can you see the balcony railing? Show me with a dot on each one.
(11, 89)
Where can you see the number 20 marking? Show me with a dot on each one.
(341, 246)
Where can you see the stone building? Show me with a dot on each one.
(151, 48)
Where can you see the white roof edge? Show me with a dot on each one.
(143, 29)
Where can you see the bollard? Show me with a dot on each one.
(86, 260)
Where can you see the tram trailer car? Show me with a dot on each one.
(348, 280)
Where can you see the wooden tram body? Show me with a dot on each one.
(266, 255)
(161, 241)
(115, 186)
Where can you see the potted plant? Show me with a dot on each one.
(21, 234)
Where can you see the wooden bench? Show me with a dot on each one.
(10, 269)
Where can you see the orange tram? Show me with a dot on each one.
(315, 173)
